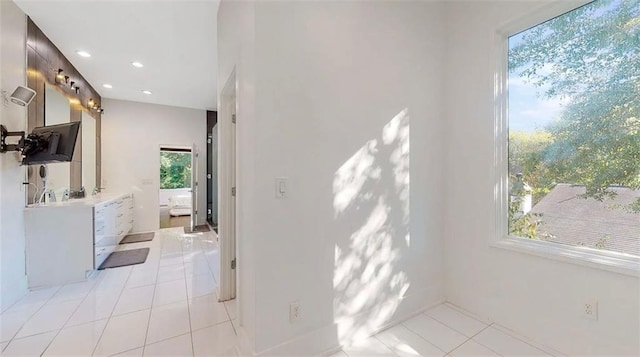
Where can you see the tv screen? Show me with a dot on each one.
(53, 143)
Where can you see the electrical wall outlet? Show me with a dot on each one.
(294, 311)
(591, 309)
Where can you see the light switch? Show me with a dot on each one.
(281, 187)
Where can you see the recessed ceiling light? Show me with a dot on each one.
(137, 64)
(146, 92)
(107, 85)
(83, 54)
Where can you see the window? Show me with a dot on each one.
(175, 169)
(574, 130)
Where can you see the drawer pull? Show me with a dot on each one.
(120, 215)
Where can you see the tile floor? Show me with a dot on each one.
(445, 330)
(164, 307)
(168, 307)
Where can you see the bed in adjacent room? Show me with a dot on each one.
(180, 205)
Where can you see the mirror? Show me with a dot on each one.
(57, 110)
(88, 152)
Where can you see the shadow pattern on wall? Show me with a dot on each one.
(371, 191)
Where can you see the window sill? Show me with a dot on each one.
(610, 261)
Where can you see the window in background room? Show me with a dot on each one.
(574, 129)
(175, 169)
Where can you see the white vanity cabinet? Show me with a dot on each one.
(67, 241)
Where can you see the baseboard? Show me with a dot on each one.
(323, 341)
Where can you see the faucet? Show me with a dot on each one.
(95, 191)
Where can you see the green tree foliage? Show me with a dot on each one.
(590, 57)
(175, 170)
(527, 156)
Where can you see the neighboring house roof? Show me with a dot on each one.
(578, 221)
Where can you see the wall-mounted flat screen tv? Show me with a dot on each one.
(53, 143)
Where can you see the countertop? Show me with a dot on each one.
(87, 201)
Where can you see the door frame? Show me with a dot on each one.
(227, 175)
(195, 189)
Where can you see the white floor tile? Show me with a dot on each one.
(435, 332)
(206, 311)
(11, 322)
(134, 299)
(473, 349)
(545, 349)
(406, 343)
(142, 277)
(175, 347)
(32, 301)
(170, 292)
(170, 273)
(197, 268)
(172, 259)
(50, 318)
(131, 353)
(168, 321)
(22, 309)
(505, 344)
(113, 279)
(217, 340)
(200, 285)
(368, 347)
(123, 333)
(455, 319)
(77, 341)
(96, 306)
(37, 295)
(231, 308)
(29, 346)
(195, 257)
(73, 292)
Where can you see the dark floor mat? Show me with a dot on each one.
(125, 257)
(200, 228)
(138, 237)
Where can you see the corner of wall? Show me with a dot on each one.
(13, 35)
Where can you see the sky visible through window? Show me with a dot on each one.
(528, 109)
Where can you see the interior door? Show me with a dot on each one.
(194, 187)
(232, 240)
(228, 194)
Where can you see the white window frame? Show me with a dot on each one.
(605, 260)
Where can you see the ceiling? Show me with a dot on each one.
(174, 40)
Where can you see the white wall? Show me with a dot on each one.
(540, 298)
(13, 34)
(340, 88)
(236, 54)
(132, 134)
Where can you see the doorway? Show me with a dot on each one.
(176, 193)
